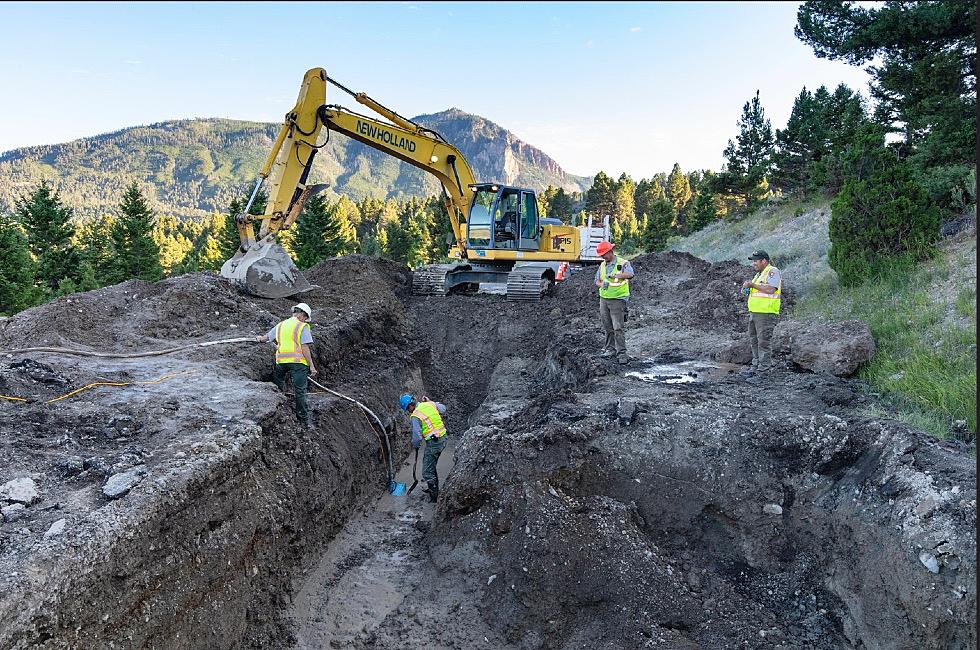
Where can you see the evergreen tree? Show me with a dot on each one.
(417, 238)
(678, 193)
(881, 213)
(47, 223)
(17, 270)
(703, 213)
(174, 245)
(600, 200)
(624, 206)
(560, 206)
(749, 156)
(312, 231)
(659, 226)
(94, 240)
(648, 192)
(134, 252)
(340, 233)
(925, 85)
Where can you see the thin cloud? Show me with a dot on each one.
(589, 43)
(636, 29)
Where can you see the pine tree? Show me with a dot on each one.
(47, 223)
(340, 234)
(624, 206)
(417, 235)
(17, 270)
(135, 255)
(561, 206)
(311, 230)
(600, 200)
(648, 192)
(659, 226)
(750, 155)
(94, 240)
(678, 193)
(703, 213)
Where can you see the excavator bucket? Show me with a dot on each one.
(266, 270)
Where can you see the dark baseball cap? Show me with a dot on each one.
(759, 255)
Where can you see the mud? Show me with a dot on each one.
(666, 504)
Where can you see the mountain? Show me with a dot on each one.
(195, 167)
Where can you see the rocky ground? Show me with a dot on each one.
(668, 503)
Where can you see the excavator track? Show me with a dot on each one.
(431, 280)
(527, 283)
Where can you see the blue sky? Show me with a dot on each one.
(621, 87)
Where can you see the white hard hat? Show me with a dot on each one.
(303, 307)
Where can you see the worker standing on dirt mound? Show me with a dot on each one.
(764, 292)
(613, 279)
(427, 425)
(293, 339)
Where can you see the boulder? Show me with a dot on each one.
(739, 351)
(837, 348)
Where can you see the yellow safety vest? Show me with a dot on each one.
(287, 336)
(761, 302)
(618, 288)
(428, 416)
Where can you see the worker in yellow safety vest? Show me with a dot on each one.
(764, 292)
(293, 338)
(613, 279)
(427, 425)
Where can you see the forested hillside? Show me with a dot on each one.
(192, 168)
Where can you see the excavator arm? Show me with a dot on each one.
(261, 264)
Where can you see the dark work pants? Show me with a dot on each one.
(300, 374)
(433, 449)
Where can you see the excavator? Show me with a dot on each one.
(497, 234)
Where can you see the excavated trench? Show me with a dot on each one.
(663, 505)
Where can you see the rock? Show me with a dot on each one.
(20, 490)
(837, 348)
(14, 512)
(959, 425)
(929, 561)
(72, 466)
(625, 411)
(925, 508)
(119, 484)
(772, 509)
(56, 528)
(735, 352)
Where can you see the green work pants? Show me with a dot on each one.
(433, 448)
(300, 374)
(612, 313)
(760, 336)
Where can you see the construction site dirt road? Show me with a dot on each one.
(665, 504)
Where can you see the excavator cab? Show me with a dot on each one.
(503, 218)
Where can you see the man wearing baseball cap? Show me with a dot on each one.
(764, 293)
(293, 338)
(613, 279)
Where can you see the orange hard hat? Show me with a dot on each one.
(604, 248)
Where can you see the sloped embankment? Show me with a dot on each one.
(231, 496)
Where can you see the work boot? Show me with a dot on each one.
(432, 490)
(623, 359)
(607, 353)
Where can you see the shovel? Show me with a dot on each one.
(415, 481)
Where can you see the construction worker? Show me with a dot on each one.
(293, 338)
(764, 292)
(427, 425)
(612, 277)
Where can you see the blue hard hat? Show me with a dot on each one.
(405, 400)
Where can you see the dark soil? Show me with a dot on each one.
(588, 508)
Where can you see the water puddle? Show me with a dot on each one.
(684, 372)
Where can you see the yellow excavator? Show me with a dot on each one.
(497, 234)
